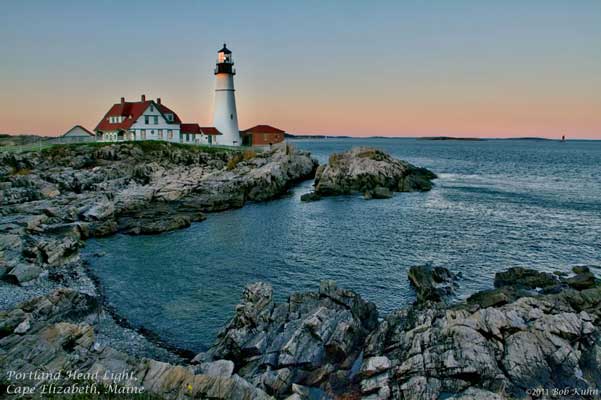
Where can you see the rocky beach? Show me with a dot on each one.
(535, 332)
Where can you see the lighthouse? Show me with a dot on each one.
(225, 118)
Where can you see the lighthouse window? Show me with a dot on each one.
(231, 116)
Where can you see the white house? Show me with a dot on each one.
(78, 131)
(140, 120)
(150, 120)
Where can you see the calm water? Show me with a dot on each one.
(496, 204)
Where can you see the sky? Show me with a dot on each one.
(392, 68)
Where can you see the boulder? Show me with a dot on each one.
(311, 196)
(524, 278)
(23, 273)
(490, 298)
(584, 278)
(380, 192)
(224, 368)
(431, 283)
(369, 171)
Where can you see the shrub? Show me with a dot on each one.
(233, 161)
(248, 155)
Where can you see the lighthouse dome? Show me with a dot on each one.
(225, 50)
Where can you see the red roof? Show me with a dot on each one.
(189, 128)
(196, 129)
(131, 111)
(209, 130)
(263, 129)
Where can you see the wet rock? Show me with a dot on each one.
(519, 277)
(380, 192)
(584, 278)
(371, 171)
(490, 298)
(431, 283)
(23, 273)
(311, 196)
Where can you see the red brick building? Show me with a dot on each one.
(262, 135)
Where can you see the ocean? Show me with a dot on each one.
(496, 204)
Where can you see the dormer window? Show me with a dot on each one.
(169, 117)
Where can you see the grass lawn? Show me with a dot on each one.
(145, 145)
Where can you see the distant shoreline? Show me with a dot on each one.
(459, 138)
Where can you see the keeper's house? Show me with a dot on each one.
(149, 120)
(262, 135)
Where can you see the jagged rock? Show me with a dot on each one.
(543, 341)
(223, 368)
(371, 171)
(277, 345)
(65, 346)
(519, 277)
(431, 283)
(98, 211)
(375, 365)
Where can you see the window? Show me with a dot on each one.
(231, 116)
(160, 133)
(169, 117)
(151, 107)
(143, 134)
(169, 134)
(187, 137)
(152, 131)
(147, 119)
(156, 119)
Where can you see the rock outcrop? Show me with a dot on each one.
(431, 283)
(330, 344)
(42, 343)
(313, 339)
(371, 172)
(54, 199)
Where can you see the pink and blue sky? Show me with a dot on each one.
(361, 68)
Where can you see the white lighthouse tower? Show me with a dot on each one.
(225, 118)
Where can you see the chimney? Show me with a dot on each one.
(158, 100)
(122, 100)
(143, 97)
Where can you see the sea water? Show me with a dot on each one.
(496, 204)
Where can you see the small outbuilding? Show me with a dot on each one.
(78, 131)
(76, 134)
(262, 135)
